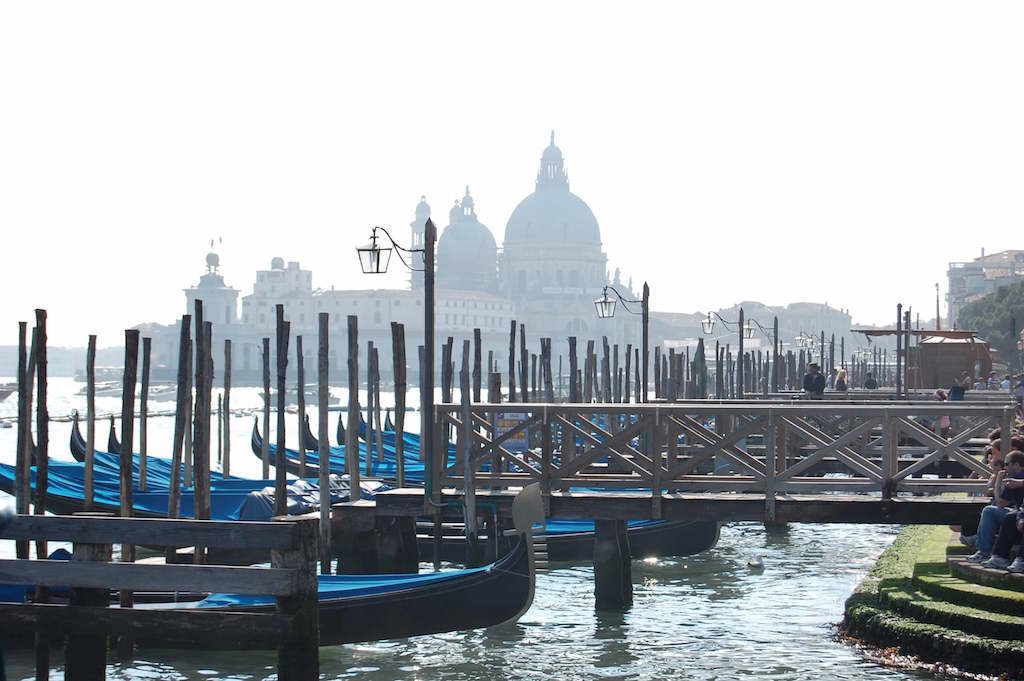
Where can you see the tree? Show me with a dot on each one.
(991, 317)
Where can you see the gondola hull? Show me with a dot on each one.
(486, 598)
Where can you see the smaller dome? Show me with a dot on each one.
(422, 210)
(277, 264)
(212, 260)
(455, 213)
(467, 203)
(552, 154)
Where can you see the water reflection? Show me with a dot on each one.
(699, 617)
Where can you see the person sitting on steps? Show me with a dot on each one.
(1009, 491)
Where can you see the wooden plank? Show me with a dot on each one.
(151, 531)
(170, 628)
(720, 506)
(144, 577)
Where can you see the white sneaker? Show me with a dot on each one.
(1017, 565)
(970, 540)
(996, 563)
(978, 557)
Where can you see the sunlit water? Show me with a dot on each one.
(701, 617)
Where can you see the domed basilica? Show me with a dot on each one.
(551, 265)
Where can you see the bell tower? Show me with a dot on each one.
(417, 239)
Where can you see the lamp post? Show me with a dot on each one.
(374, 259)
(605, 306)
(744, 329)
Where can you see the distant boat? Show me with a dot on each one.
(7, 389)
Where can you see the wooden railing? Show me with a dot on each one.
(87, 621)
(697, 446)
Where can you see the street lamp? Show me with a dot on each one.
(745, 329)
(374, 259)
(605, 306)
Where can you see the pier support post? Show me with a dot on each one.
(86, 655)
(298, 653)
(613, 579)
(396, 545)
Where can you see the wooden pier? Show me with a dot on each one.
(754, 460)
(88, 622)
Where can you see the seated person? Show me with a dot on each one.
(994, 460)
(870, 383)
(1009, 535)
(1009, 489)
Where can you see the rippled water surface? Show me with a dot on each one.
(701, 617)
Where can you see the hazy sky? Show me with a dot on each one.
(777, 151)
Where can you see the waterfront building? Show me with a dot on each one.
(549, 269)
(974, 279)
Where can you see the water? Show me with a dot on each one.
(700, 617)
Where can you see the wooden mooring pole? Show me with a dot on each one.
(324, 452)
(126, 644)
(147, 344)
(22, 458)
(352, 432)
(225, 412)
(265, 448)
(280, 478)
(180, 419)
(300, 386)
(42, 641)
(398, 366)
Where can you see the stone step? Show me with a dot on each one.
(940, 585)
(975, 573)
(903, 598)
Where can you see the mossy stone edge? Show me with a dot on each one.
(873, 618)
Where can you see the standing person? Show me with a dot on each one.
(814, 382)
(841, 381)
(944, 422)
(832, 378)
(959, 387)
(869, 382)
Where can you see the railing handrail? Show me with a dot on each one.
(152, 531)
(732, 407)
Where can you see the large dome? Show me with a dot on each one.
(552, 213)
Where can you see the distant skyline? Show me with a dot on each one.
(779, 152)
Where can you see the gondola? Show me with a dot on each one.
(385, 467)
(359, 608)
